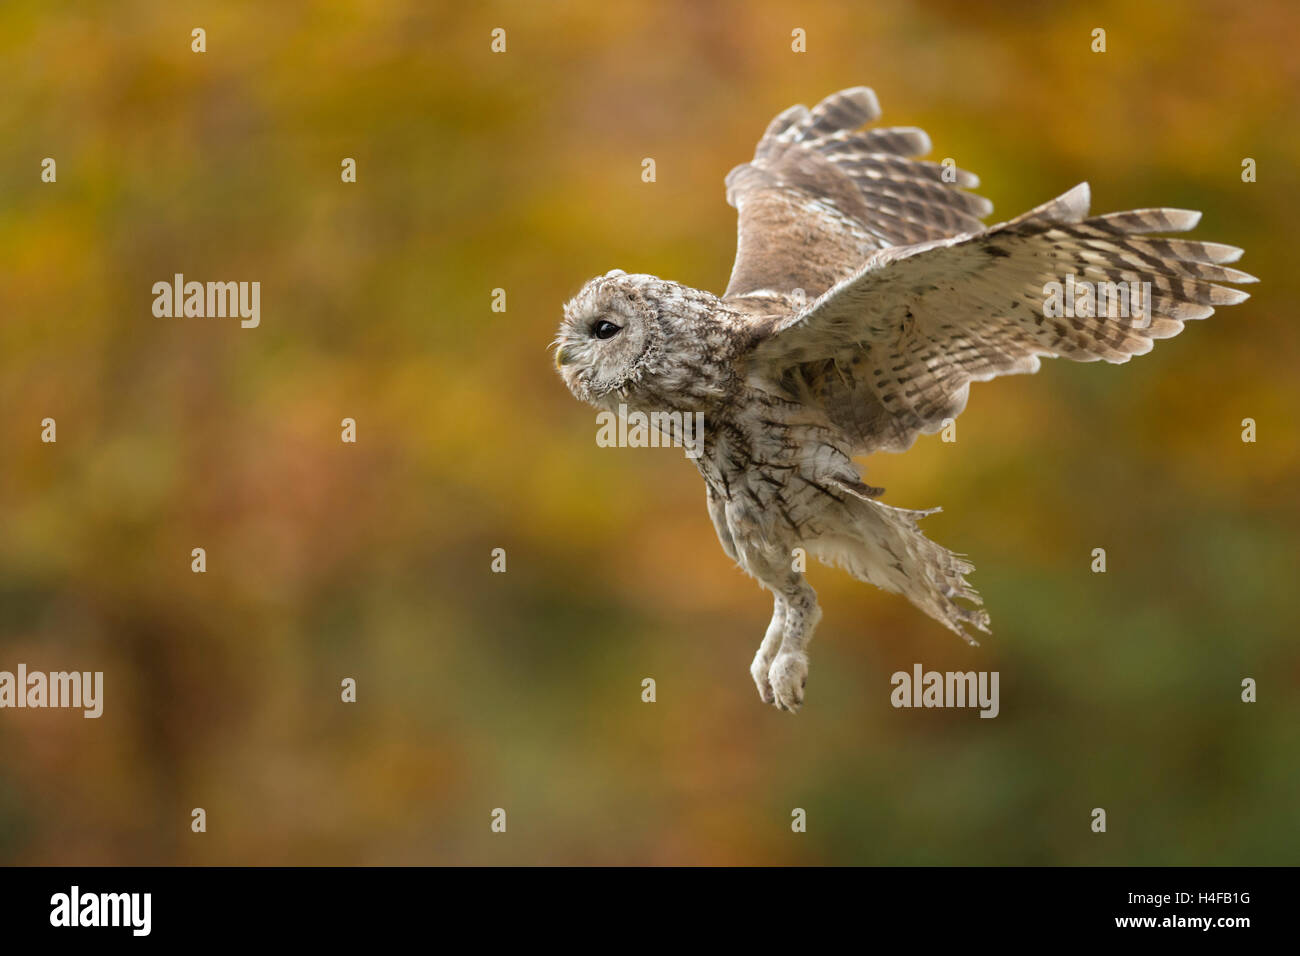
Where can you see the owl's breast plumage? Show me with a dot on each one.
(774, 469)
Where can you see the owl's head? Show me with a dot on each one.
(610, 336)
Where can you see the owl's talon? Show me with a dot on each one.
(758, 670)
(788, 676)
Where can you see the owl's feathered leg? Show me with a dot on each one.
(789, 672)
(767, 651)
(780, 670)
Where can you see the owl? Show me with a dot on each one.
(866, 296)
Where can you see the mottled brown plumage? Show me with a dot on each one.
(866, 297)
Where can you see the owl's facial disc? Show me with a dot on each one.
(603, 339)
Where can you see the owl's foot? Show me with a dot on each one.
(787, 677)
(758, 670)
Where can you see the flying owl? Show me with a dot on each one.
(865, 298)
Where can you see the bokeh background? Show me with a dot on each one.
(522, 690)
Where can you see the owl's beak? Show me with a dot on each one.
(561, 359)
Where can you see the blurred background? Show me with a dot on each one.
(521, 690)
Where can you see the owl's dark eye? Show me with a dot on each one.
(605, 330)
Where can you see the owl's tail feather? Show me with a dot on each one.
(886, 548)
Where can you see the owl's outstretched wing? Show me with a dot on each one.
(890, 352)
(820, 196)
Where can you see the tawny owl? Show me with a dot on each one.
(865, 298)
